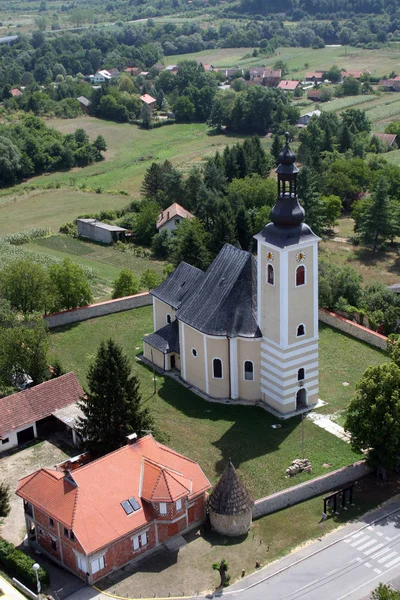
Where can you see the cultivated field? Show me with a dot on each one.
(211, 433)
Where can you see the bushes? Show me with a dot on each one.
(24, 237)
(19, 565)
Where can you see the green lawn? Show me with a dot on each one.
(342, 359)
(207, 432)
(105, 261)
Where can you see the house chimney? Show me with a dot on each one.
(131, 438)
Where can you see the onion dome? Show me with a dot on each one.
(287, 212)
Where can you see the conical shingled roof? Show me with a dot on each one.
(229, 496)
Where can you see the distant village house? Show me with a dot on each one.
(287, 85)
(149, 100)
(84, 103)
(305, 119)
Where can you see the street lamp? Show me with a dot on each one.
(36, 568)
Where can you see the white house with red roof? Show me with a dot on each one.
(95, 518)
(38, 410)
(171, 217)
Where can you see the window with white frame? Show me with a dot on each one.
(81, 563)
(300, 275)
(139, 541)
(178, 504)
(248, 370)
(301, 330)
(97, 564)
(270, 275)
(217, 368)
(163, 508)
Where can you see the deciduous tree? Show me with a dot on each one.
(126, 284)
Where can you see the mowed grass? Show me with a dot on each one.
(51, 208)
(342, 359)
(207, 432)
(105, 261)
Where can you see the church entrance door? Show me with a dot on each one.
(301, 399)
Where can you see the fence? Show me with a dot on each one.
(309, 489)
(353, 329)
(100, 309)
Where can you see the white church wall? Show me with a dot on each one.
(301, 298)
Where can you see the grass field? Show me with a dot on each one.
(211, 433)
(300, 60)
(105, 261)
(130, 152)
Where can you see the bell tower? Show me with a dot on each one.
(287, 297)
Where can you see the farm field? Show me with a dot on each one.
(130, 152)
(300, 60)
(242, 433)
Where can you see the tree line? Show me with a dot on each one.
(30, 147)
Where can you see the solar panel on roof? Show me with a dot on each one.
(127, 507)
(134, 503)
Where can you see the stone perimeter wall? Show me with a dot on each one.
(353, 329)
(100, 309)
(309, 489)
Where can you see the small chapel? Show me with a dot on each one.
(246, 329)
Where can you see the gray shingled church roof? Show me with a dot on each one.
(229, 496)
(178, 285)
(165, 339)
(224, 300)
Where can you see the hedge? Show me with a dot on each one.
(19, 565)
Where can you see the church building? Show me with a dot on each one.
(246, 329)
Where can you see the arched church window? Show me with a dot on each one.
(301, 330)
(217, 368)
(270, 274)
(168, 318)
(300, 374)
(300, 275)
(248, 370)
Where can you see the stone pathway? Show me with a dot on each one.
(326, 423)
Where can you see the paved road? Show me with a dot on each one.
(346, 565)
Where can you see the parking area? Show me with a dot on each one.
(20, 463)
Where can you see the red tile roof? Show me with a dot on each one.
(90, 503)
(315, 74)
(355, 74)
(15, 92)
(38, 402)
(388, 138)
(175, 210)
(147, 99)
(286, 84)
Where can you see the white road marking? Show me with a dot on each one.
(306, 586)
(377, 571)
(365, 583)
(358, 559)
(381, 553)
(362, 539)
(357, 535)
(368, 565)
(374, 549)
(331, 572)
(393, 562)
(388, 538)
(370, 527)
(379, 533)
(366, 545)
(385, 558)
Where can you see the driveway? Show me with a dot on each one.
(14, 466)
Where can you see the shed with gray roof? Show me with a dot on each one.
(100, 232)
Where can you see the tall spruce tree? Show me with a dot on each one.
(112, 407)
(378, 217)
